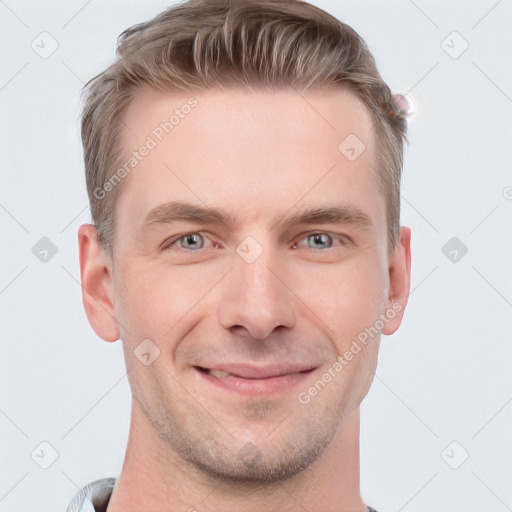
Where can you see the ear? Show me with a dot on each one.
(399, 281)
(97, 290)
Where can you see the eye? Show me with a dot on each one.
(189, 242)
(195, 241)
(320, 241)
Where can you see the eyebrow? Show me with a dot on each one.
(176, 211)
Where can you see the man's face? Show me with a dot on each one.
(255, 296)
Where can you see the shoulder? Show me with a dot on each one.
(93, 497)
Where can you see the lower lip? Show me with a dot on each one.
(257, 387)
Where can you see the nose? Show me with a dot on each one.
(256, 297)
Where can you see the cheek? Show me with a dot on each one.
(152, 300)
(346, 298)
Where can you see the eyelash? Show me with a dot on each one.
(171, 241)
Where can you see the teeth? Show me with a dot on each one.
(218, 373)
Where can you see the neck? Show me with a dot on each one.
(153, 477)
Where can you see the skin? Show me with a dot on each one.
(262, 157)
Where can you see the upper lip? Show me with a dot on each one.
(259, 372)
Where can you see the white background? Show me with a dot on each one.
(443, 377)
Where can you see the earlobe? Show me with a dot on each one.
(399, 281)
(96, 278)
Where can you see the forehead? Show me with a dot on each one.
(242, 111)
(254, 151)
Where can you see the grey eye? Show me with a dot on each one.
(319, 238)
(191, 241)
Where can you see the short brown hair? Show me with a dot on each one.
(201, 43)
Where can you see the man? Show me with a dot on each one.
(243, 164)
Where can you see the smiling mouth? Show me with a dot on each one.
(220, 374)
